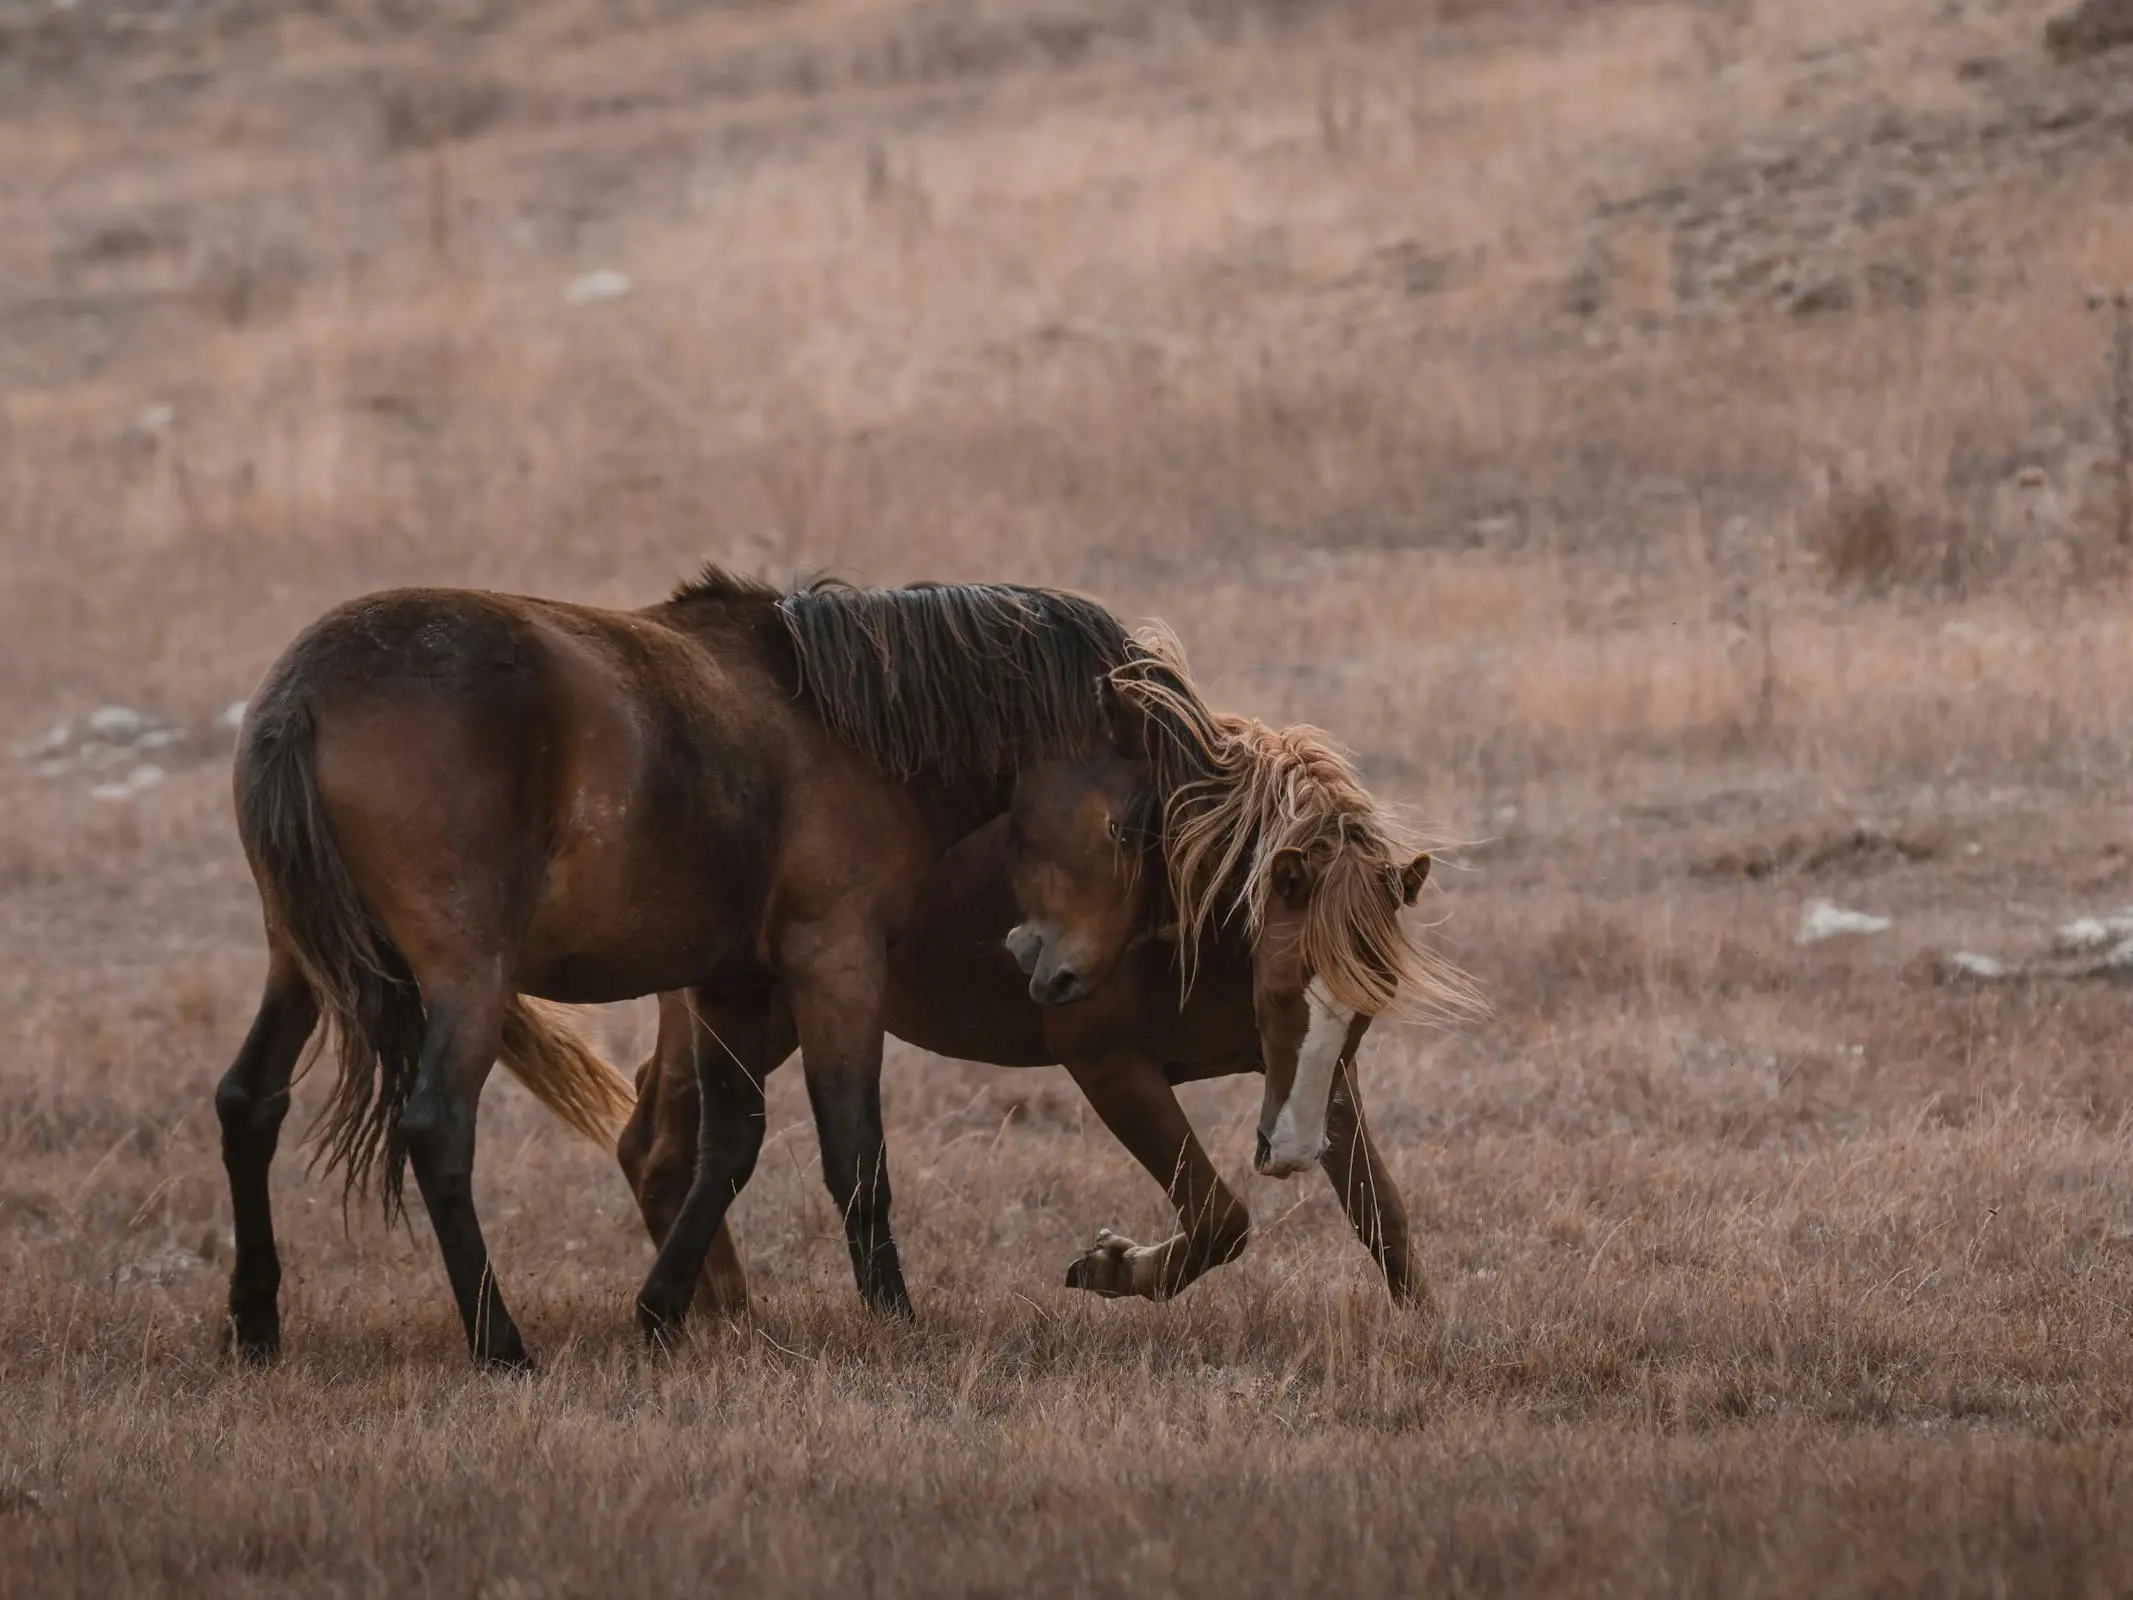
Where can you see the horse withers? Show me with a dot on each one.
(451, 799)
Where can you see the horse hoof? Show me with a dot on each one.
(662, 1329)
(1103, 1269)
(253, 1344)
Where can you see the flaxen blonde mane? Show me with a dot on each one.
(1236, 794)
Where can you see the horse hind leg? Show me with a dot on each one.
(460, 1042)
(250, 1103)
(1368, 1193)
(657, 1152)
(710, 1132)
(1136, 1102)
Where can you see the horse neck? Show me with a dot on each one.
(955, 808)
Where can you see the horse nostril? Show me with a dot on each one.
(1065, 984)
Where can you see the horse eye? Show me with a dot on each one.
(1115, 829)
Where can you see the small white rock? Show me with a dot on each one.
(1977, 966)
(604, 284)
(232, 715)
(1821, 920)
(166, 1265)
(2093, 933)
(156, 419)
(119, 724)
(54, 741)
(139, 781)
(2083, 933)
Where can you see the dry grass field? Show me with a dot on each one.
(1669, 443)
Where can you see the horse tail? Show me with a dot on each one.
(563, 1072)
(366, 992)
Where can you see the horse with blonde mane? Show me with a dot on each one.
(1227, 900)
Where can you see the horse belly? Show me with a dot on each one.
(972, 1007)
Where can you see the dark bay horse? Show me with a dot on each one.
(452, 799)
(1081, 861)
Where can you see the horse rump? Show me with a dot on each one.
(366, 992)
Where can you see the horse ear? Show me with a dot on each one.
(1290, 877)
(1124, 726)
(1412, 877)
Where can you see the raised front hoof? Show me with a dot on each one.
(252, 1341)
(663, 1326)
(1106, 1268)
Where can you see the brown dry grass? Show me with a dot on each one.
(1433, 369)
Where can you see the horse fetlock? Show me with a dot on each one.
(252, 1333)
(882, 1286)
(506, 1355)
(1228, 1238)
(662, 1320)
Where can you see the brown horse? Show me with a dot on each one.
(452, 799)
(1083, 853)
(1267, 834)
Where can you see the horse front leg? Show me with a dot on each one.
(837, 975)
(1368, 1193)
(1136, 1102)
(250, 1103)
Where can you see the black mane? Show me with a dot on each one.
(962, 680)
(713, 583)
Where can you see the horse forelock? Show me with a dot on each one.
(959, 680)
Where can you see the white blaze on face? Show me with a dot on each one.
(1299, 1136)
